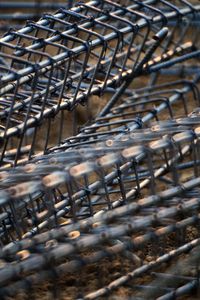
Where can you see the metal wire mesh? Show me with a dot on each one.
(55, 64)
(16, 13)
(115, 205)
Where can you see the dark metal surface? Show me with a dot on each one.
(62, 60)
(113, 210)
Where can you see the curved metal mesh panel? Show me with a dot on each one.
(111, 210)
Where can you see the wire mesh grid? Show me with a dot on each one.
(107, 212)
(55, 64)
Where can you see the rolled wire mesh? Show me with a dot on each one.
(143, 170)
(152, 219)
(59, 62)
(116, 203)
